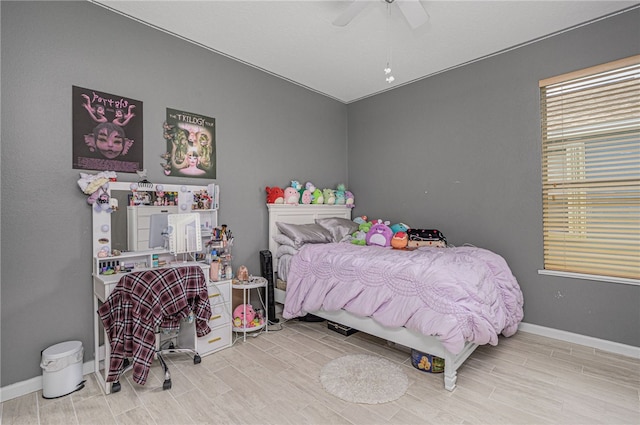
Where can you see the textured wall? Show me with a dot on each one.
(461, 153)
(269, 131)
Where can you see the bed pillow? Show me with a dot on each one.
(338, 227)
(284, 240)
(301, 234)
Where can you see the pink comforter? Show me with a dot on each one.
(457, 294)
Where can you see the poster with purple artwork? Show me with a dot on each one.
(191, 145)
(107, 131)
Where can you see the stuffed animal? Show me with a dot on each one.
(399, 227)
(399, 240)
(360, 235)
(245, 313)
(296, 185)
(305, 196)
(275, 195)
(379, 234)
(361, 219)
(291, 196)
(329, 196)
(349, 199)
(339, 192)
(317, 197)
(359, 238)
(96, 186)
(310, 186)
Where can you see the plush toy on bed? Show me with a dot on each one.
(243, 316)
(399, 240)
(399, 227)
(379, 234)
(359, 237)
(361, 219)
(329, 196)
(275, 195)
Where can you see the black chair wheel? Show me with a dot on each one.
(197, 359)
(167, 384)
(115, 387)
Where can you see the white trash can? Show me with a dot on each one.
(62, 369)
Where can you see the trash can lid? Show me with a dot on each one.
(62, 350)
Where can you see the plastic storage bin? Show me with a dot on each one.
(62, 369)
(427, 362)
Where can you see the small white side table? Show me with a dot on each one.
(253, 283)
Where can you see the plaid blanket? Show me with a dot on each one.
(143, 302)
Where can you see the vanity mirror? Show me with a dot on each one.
(127, 228)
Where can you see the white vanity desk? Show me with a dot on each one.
(103, 284)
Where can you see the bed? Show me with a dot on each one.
(447, 331)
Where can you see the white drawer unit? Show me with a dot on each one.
(138, 224)
(220, 322)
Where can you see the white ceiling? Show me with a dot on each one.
(297, 41)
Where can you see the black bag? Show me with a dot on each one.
(426, 237)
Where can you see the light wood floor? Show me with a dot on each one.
(273, 379)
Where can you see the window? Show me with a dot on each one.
(591, 170)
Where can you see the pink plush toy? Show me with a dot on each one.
(305, 196)
(291, 196)
(243, 316)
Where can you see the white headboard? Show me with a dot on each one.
(299, 214)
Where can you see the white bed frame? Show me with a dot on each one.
(303, 214)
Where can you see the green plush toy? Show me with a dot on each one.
(317, 197)
(358, 237)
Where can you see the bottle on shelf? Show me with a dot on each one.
(214, 271)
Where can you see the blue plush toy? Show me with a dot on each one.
(399, 227)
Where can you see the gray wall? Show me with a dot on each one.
(461, 153)
(268, 132)
(468, 138)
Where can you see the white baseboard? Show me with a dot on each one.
(601, 344)
(34, 384)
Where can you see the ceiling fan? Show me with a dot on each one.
(411, 9)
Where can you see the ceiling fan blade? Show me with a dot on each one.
(413, 12)
(350, 12)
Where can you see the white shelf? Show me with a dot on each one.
(253, 283)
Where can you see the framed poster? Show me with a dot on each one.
(107, 131)
(191, 145)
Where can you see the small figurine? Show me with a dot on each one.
(243, 274)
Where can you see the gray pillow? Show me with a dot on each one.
(304, 233)
(284, 240)
(338, 227)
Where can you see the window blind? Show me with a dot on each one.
(591, 170)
